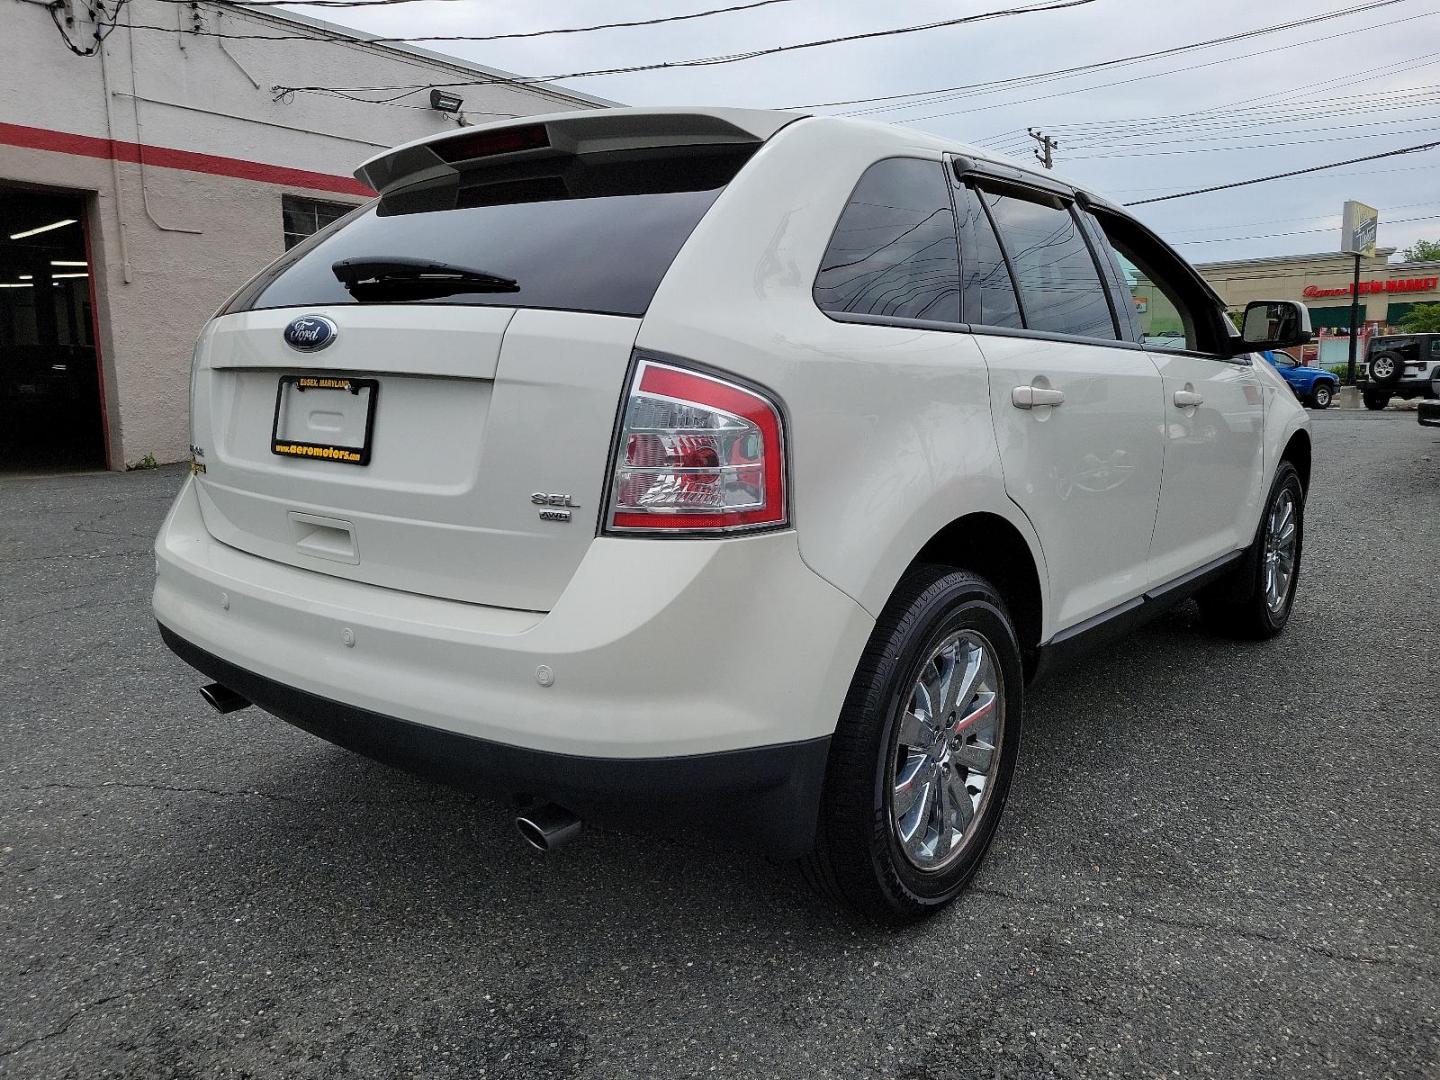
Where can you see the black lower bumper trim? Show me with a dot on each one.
(1069, 645)
(766, 796)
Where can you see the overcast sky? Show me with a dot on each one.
(1374, 54)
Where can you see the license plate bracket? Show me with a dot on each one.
(325, 418)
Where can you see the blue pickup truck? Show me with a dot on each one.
(1314, 386)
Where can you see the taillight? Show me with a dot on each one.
(480, 144)
(696, 453)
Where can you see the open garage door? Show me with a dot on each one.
(50, 407)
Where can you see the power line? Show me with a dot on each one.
(1351, 172)
(444, 37)
(307, 3)
(1142, 142)
(1282, 176)
(1352, 103)
(1226, 114)
(1288, 221)
(1386, 70)
(1118, 61)
(712, 61)
(102, 29)
(1226, 149)
(1156, 74)
(1214, 128)
(1298, 232)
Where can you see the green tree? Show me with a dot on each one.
(1422, 319)
(1423, 251)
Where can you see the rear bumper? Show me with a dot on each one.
(766, 797)
(659, 653)
(1409, 388)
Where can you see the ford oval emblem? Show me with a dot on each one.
(311, 333)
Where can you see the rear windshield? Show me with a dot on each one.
(593, 233)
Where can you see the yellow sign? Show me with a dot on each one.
(1360, 228)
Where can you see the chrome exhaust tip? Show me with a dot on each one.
(547, 826)
(222, 699)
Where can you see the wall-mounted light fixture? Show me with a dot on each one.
(440, 101)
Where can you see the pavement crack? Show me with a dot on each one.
(1200, 924)
(239, 793)
(62, 1028)
(176, 788)
(67, 609)
(76, 556)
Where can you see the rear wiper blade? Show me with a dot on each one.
(397, 274)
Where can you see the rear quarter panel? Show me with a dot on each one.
(890, 434)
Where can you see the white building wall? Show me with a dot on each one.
(172, 238)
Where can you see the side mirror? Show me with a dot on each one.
(1274, 324)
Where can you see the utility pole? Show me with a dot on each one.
(1359, 225)
(1354, 323)
(1044, 153)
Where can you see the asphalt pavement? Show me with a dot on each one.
(1219, 860)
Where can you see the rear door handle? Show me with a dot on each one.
(1185, 399)
(1028, 397)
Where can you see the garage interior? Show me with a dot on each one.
(51, 417)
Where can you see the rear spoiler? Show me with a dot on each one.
(563, 134)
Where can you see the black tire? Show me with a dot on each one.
(1237, 606)
(858, 857)
(1391, 369)
(1375, 401)
(1321, 394)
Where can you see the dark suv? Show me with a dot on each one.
(1400, 365)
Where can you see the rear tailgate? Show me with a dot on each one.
(466, 429)
(475, 407)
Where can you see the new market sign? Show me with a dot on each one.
(1393, 285)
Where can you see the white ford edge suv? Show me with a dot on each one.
(721, 468)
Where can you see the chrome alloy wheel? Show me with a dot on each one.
(1382, 367)
(947, 751)
(1281, 532)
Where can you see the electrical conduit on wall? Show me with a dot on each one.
(140, 139)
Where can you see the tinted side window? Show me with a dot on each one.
(1159, 309)
(987, 292)
(1171, 310)
(1060, 285)
(894, 251)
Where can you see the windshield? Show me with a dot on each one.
(593, 233)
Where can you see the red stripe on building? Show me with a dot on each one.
(163, 157)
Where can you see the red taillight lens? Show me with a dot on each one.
(696, 453)
(488, 143)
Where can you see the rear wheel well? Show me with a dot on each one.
(990, 546)
(1297, 452)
